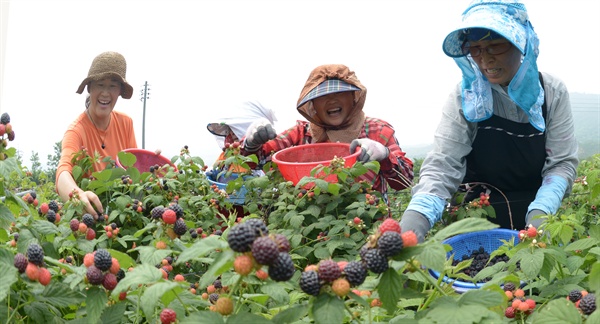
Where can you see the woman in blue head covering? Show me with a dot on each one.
(505, 125)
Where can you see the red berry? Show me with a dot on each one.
(357, 220)
(409, 238)
(169, 216)
(90, 234)
(123, 295)
(389, 224)
(509, 312)
(531, 303)
(531, 231)
(44, 276)
(340, 287)
(168, 316)
(243, 264)
(32, 271)
(44, 208)
(110, 281)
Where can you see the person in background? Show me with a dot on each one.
(99, 129)
(505, 125)
(232, 127)
(332, 101)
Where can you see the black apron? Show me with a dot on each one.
(508, 156)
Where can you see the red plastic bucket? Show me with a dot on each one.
(146, 159)
(296, 162)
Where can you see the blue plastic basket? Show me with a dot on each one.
(464, 244)
(237, 197)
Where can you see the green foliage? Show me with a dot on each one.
(321, 220)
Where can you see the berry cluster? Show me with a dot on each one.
(30, 198)
(480, 260)
(33, 264)
(49, 210)
(585, 302)
(251, 238)
(518, 304)
(5, 129)
(173, 215)
(112, 230)
(103, 269)
(216, 295)
(339, 277)
(530, 233)
(387, 242)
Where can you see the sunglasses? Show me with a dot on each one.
(494, 49)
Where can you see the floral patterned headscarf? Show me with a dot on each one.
(509, 19)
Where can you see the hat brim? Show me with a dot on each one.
(328, 87)
(486, 17)
(127, 88)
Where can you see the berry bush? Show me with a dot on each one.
(171, 247)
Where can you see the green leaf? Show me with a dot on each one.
(201, 249)
(296, 221)
(389, 288)
(322, 253)
(433, 256)
(245, 318)
(153, 294)
(152, 256)
(113, 314)
(481, 297)
(222, 263)
(95, 303)
(60, 295)
(582, 244)
(204, 317)
(447, 310)
(9, 273)
(594, 278)
(557, 311)
(466, 225)
(126, 159)
(277, 292)
(328, 309)
(142, 274)
(532, 263)
(290, 315)
(44, 227)
(125, 261)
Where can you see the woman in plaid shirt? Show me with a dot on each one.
(332, 101)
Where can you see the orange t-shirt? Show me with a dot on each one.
(83, 134)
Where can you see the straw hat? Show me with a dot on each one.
(108, 64)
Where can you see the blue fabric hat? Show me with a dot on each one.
(509, 19)
(327, 87)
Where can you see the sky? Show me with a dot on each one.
(202, 56)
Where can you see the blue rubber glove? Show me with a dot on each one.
(258, 133)
(371, 150)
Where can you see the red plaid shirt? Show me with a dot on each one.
(397, 169)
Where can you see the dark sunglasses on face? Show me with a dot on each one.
(493, 49)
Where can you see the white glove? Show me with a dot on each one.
(371, 150)
(258, 133)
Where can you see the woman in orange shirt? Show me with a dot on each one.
(99, 129)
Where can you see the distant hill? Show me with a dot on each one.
(586, 114)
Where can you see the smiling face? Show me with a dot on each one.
(333, 109)
(499, 68)
(103, 97)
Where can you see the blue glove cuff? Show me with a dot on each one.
(550, 194)
(430, 206)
